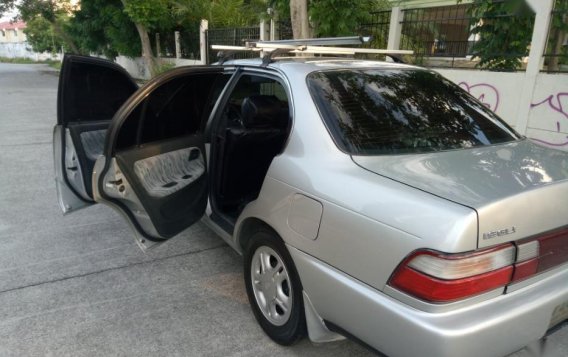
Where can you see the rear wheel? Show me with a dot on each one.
(274, 289)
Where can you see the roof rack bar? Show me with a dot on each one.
(325, 41)
(268, 57)
(288, 49)
(362, 50)
(270, 49)
(263, 45)
(234, 48)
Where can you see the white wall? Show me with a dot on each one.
(137, 69)
(23, 50)
(548, 117)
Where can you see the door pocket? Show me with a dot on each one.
(164, 174)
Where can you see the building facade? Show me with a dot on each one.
(12, 32)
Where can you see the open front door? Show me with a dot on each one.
(154, 169)
(91, 90)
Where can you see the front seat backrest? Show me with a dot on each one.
(261, 111)
(249, 150)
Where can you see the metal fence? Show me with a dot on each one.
(440, 37)
(556, 53)
(231, 37)
(378, 28)
(189, 43)
(164, 44)
(284, 30)
(437, 31)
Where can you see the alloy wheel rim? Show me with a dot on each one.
(271, 285)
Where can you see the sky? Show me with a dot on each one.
(8, 16)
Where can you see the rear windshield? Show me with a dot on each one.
(377, 112)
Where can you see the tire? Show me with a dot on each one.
(274, 289)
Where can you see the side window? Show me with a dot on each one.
(95, 93)
(260, 90)
(177, 108)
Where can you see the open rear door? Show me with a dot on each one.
(153, 169)
(91, 90)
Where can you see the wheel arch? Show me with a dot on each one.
(249, 225)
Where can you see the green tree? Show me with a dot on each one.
(220, 13)
(557, 36)
(342, 17)
(102, 26)
(55, 12)
(41, 36)
(6, 6)
(148, 15)
(327, 17)
(505, 32)
(112, 27)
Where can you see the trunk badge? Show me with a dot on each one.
(499, 233)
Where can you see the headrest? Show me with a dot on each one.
(259, 111)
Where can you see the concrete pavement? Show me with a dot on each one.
(79, 285)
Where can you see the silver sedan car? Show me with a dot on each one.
(373, 200)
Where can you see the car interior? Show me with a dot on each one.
(252, 130)
(159, 148)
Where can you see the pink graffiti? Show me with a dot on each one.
(554, 103)
(484, 92)
(551, 144)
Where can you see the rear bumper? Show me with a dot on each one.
(496, 327)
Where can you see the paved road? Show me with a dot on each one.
(78, 285)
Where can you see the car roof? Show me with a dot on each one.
(312, 64)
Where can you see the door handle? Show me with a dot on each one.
(115, 182)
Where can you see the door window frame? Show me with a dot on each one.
(215, 121)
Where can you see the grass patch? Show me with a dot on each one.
(54, 64)
(51, 63)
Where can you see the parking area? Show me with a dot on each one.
(79, 285)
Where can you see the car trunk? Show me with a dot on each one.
(518, 189)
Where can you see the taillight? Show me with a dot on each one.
(440, 278)
(527, 260)
(541, 253)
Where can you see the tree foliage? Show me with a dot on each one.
(334, 17)
(102, 26)
(505, 32)
(41, 36)
(54, 12)
(220, 13)
(342, 17)
(151, 14)
(557, 49)
(6, 6)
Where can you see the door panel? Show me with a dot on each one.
(154, 168)
(85, 143)
(164, 174)
(155, 180)
(69, 182)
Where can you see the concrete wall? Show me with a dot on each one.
(22, 50)
(137, 69)
(548, 115)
